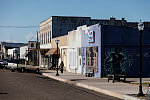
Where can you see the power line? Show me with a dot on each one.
(32, 36)
(19, 26)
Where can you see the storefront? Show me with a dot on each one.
(106, 49)
(74, 50)
(52, 57)
(91, 50)
(43, 59)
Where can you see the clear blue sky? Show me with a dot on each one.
(32, 12)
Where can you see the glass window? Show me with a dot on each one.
(79, 51)
(48, 36)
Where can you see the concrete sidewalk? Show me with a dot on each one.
(117, 89)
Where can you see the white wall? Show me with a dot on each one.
(11, 52)
(45, 46)
(64, 56)
(23, 52)
(74, 43)
(97, 29)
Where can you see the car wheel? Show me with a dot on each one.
(12, 69)
(37, 71)
(22, 70)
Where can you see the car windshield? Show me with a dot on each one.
(12, 61)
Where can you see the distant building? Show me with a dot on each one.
(14, 53)
(5, 46)
(24, 52)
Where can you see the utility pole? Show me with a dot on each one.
(37, 47)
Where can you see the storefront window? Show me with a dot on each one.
(92, 58)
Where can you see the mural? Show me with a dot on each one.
(116, 61)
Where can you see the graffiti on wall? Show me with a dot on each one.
(116, 61)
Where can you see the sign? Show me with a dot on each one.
(91, 37)
(32, 44)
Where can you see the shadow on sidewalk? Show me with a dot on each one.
(77, 79)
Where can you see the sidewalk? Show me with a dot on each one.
(117, 89)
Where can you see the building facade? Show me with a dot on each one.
(85, 50)
(91, 50)
(24, 52)
(120, 51)
(14, 53)
(62, 51)
(74, 48)
(86, 46)
(57, 26)
(107, 49)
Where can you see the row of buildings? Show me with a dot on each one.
(87, 45)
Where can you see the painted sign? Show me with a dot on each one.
(32, 44)
(91, 36)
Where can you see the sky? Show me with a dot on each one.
(17, 15)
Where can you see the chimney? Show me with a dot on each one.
(112, 18)
(123, 19)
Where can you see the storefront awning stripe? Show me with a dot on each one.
(52, 51)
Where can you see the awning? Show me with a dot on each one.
(43, 51)
(53, 51)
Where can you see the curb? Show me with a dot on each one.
(55, 78)
(117, 95)
(100, 90)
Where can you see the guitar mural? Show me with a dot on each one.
(116, 61)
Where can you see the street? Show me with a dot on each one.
(29, 86)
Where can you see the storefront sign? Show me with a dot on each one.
(91, 36)
(32, 44)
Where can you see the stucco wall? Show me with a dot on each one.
(84, 43)
(23, 52)
(74, 46)
(63, 41)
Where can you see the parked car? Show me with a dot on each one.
(1, 66)
(12, 63)
(4, 63)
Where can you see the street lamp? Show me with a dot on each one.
(140, 27)
(57, 41)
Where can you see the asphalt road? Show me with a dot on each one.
(29, 86)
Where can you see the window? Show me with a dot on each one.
(79, 51)
(80, 61)
(92, 58)
(44, 38)
(48, 36)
